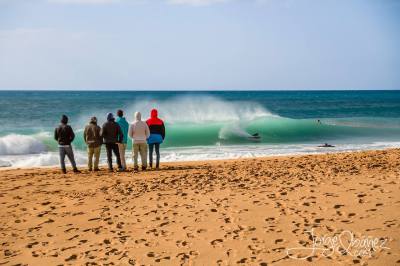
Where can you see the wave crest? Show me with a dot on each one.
(201, 109)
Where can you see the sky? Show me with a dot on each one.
(199, 44)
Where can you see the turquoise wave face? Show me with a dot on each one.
(274, 130)
(271, 130)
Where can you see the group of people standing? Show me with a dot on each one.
(114, 135)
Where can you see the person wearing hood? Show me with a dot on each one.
(124, 127)
(64, 135)
(112, 134)
(139, 132)
(92, 137)
(157, 136)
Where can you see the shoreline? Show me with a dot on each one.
(169, 163)
(250, 211)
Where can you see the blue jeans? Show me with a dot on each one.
(151, 148)
(66, 151)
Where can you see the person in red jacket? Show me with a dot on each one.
(157, 136)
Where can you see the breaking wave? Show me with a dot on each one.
(15, 144)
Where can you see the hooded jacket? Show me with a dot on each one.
(64, 134)
(92, 134)
(139, 131)
(111, 132)
(157, 128)
(124, 125)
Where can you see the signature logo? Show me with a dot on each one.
(344, 243)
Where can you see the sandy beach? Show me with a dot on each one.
(266, 211)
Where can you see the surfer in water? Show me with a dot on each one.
(326, 145)
(255, 136)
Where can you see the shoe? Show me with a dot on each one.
(90, 169)
(63, 171)
(144, 168)
(136, 169)
(76, 171)
(96, 169)
(121, 170)
(110, 170)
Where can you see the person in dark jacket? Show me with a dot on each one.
(157, 136)
(112, 135)
(92, 137)
(64, 135)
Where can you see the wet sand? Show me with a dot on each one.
(248, 212)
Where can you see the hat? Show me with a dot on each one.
(110, 117)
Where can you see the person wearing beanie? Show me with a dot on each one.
(64, 135)
(139, 132)
(157, 135)
(93, 140)
(112, 135)
(123, 124)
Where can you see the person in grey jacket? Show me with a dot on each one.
(112, 135)
(139, 132)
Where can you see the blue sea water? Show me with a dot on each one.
(205, 125)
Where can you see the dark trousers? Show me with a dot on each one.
(151, 149)
(113, 148)
(66, 151)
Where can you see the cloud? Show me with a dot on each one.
(196, 2)
(84, 1)
(101, 2)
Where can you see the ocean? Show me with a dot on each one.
(205, 125)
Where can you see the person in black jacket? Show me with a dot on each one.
(64, 135)
(112, 135)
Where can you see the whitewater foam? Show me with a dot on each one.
(201, 109)
(233, 130)
(15, 144)
(200, 153)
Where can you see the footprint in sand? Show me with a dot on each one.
(163, 258)
(318, 220)
(337, 206)
(183, 256)
(227, 220)
(151, 254)
(31, 245)
(71, 258)
(216, 242)
(201, 230)
(181, 243)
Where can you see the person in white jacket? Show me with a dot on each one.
(139, 132)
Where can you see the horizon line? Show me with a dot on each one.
(192, 90)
